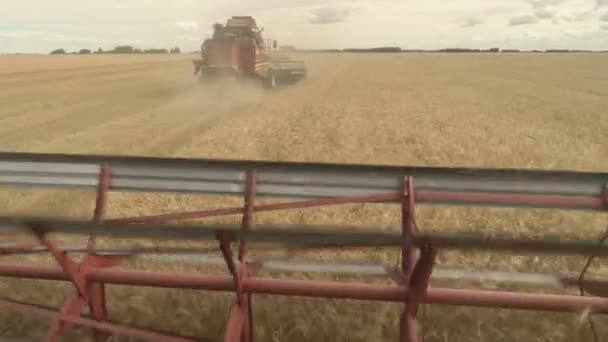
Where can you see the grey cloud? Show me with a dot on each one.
(576, 17)
(538, 4)
(604, 17)
(604, 27)
(601, 3)
(470, 22)
(330, 15)
(544, 13)
(545, 9)
(523, 20)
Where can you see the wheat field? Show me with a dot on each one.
(507, 110)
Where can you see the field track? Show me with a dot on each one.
(520, 110)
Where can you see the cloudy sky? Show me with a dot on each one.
(42, 25)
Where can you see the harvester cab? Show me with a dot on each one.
(237, 49)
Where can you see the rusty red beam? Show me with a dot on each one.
(417, 289)
(101, 197)
(256, 208)
(96, 291)
(324, 289)
(408, 325)
(107, 327)
(408, 226)
(245, 299)
(236, 323)
(421, 195)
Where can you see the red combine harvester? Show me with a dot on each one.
(238, 49)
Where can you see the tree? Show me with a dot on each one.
(156, 51)
(84, 51)
(58, 52)
(123, 49)
(176, 50)
(100, 50)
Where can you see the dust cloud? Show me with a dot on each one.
(214, 97)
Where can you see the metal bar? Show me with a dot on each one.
(303, 179)
(418, 287)
(236, 323)
(257, 208)
(102, 193)
(129, 251)
(408, 228)
(100, 201)
(408, 259)
(67, 264)
(303, 236)
(245, 298)
(595, 286)
(248, 211)
(103, 326)
(338, 290)
(83, 289)
(226, 249)
(72, 307)
(96, 291)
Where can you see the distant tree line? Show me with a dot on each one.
(377, 49)
(122, 49)
(448, 50)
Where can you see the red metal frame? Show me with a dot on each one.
(412, 277)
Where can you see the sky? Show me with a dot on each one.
(40, 25)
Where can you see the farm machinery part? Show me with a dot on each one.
(237, 49)
(309, 185)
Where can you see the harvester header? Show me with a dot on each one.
(309, 185)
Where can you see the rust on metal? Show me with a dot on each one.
(245, 300)
(101, 198)
(418, 287)
(96, 291)
(328, 289)
(66, 263)
(107, 327)
(257, 208)
(72, 307)
(411, 276)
